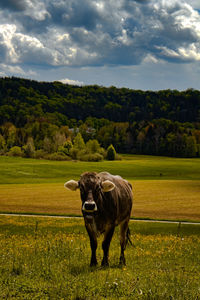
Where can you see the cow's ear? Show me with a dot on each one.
(71, 185)
(107, 186)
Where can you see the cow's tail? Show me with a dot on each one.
(128, 233)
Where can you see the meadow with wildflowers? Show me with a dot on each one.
(46, 258)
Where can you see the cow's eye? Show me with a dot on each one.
(97, 189)
(82, 190)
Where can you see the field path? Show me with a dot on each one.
(80, 217)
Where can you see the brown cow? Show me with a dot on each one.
(106, 203)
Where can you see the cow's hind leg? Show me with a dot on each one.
(123, 240)
(106, 244)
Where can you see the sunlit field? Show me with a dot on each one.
(45, 258)
(154, 199)
(164, 188)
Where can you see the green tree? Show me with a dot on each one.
(15, 151)
(93, 146)
(111, 153)
(78, 146)
(9, 133)
(29, 148)
(48, 145)
(66, 147)
(79, 142)
(58, 140)
(2, 143)
(191, 146)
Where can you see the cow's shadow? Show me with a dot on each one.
(83, 269)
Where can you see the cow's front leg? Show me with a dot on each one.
(106, 244)
(93, 245)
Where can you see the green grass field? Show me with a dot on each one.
(45, 258)
(164, 188)
(132, 167)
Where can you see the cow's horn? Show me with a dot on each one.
(71, 185)
(107, 186)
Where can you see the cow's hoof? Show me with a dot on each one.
(122, 261)
(104, 263)
(93, 264)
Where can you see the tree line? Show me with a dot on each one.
(44, 118)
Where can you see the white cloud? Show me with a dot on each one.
(188, 18)
(6, 33)
(16, 70)
(150, 59)
(13, 69)
(71, 81)
(166, 52)
(194, 3)
(192, 52)
(31, 49)
(36, 9)
(124, 39)
(21, 48)
(179, 29)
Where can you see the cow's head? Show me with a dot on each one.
(91, 187)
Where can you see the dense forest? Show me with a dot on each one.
(38, 118)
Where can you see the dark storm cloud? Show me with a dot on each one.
(81, 16)
(73, 13)
(94, 32)
(13, 5)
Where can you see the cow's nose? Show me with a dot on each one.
(89, 206)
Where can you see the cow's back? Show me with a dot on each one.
(119, 200)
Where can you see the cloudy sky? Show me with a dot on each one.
(140, 44)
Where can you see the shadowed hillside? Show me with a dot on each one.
(134, 121)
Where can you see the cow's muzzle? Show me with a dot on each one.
(89, 206)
